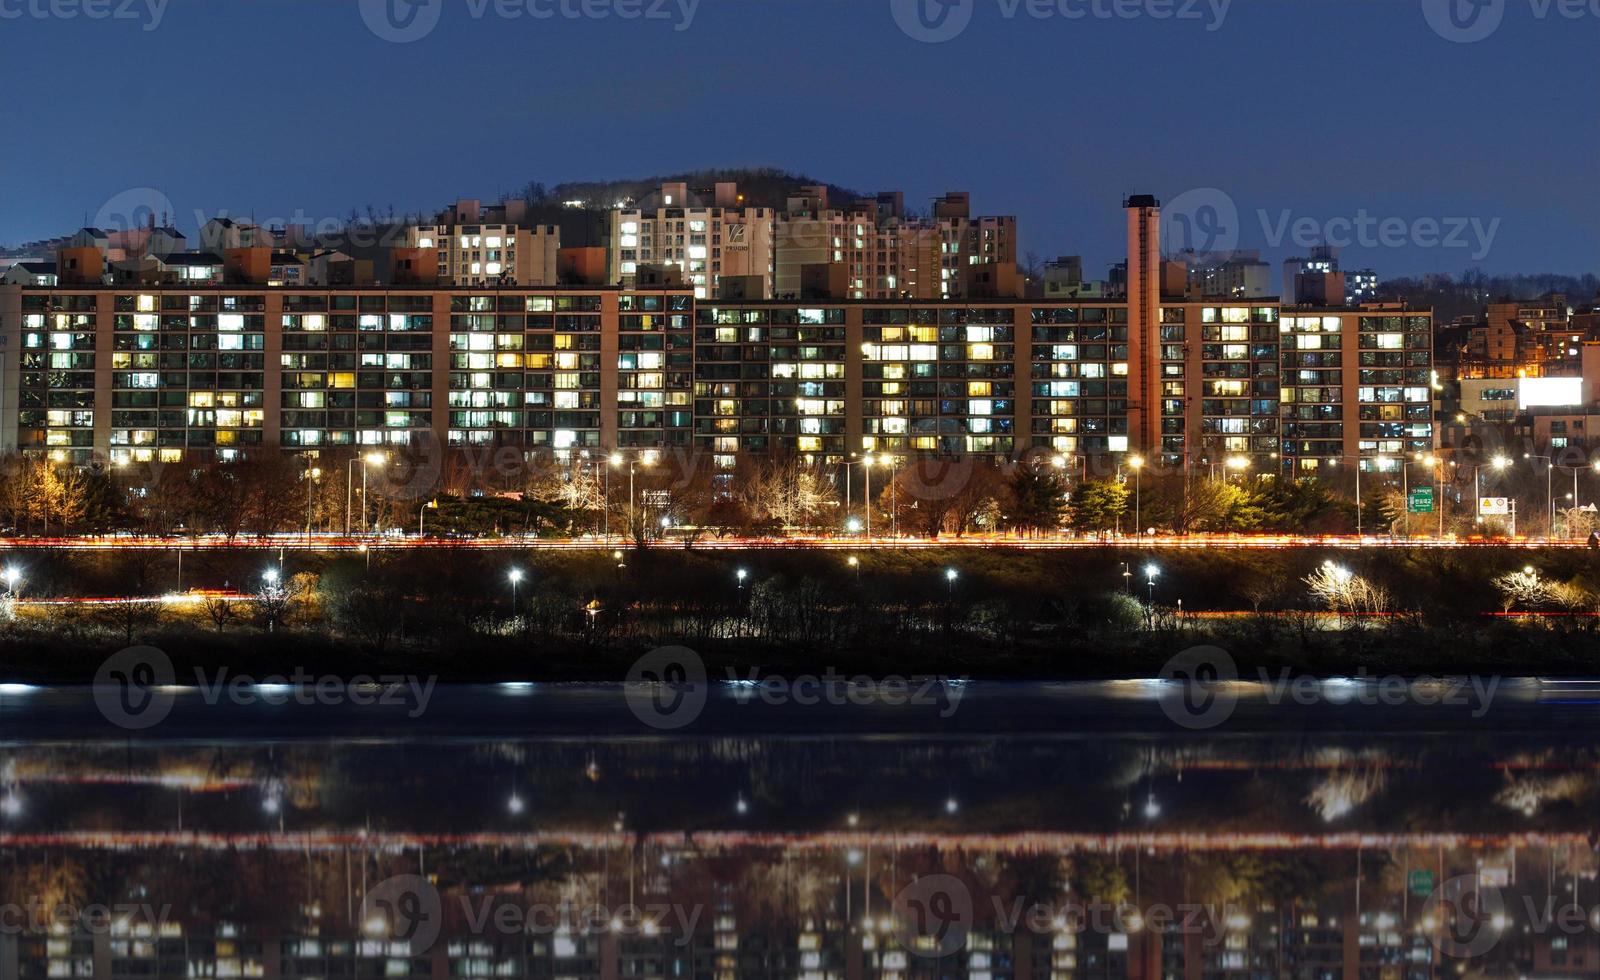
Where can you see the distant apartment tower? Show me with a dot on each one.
(874, 251)
(968, 244)
(708, 240)
(481, 246)
(1321, 258)
(1242, 275)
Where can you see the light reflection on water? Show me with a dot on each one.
(845, 851)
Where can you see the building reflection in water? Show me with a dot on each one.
(816, 859)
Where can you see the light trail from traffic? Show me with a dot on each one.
(339, 543)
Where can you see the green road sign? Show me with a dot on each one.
(1420, 882)
(1421, 500)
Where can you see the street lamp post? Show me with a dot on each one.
(371, 459)
(1358, 493)
(515, 575)
(1151, 572)
(1549, 488)
(646, 459)
(1499, 463)
(1136, 463)
(1594, 466)
(950, 576)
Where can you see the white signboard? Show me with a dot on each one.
(1494, 506)
(1549, 392)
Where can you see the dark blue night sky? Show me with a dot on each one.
(1318, 109)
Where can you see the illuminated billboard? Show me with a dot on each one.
(1549, 392)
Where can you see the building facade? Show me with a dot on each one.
(133, 373)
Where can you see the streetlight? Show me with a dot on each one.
(515, 575)
(894, 493)
(1596, 467)
(866, 472)
(1151, 573)
(13, 575)
(741, 575)
(950, 576)
(1136, 463)
(1499, 463)
(1549, 488)
(646, 459)
(855, 563)
(271, 577)
(371, 459)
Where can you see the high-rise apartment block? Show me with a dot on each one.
(121, 371)
(708, 242)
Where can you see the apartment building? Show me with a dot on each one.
(708, 241)
(864, 251)
(137, 371)
(1523, 339)
(475, 252)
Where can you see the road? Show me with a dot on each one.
(300, 542)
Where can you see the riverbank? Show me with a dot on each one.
(996, 613)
